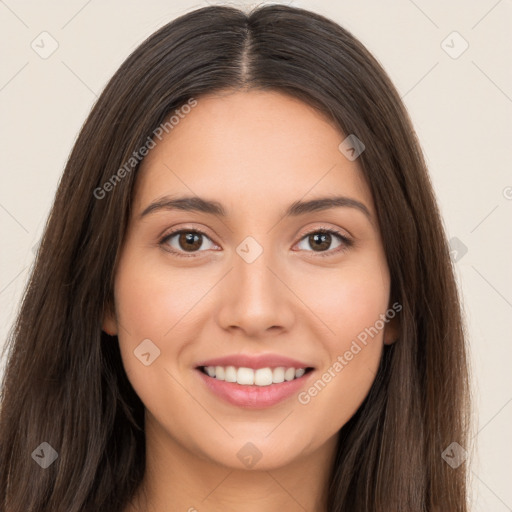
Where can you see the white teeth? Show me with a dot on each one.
(263, 377)
(229, 374)
(259, 377)
(289, 374)
(278, 375)
(243, 376)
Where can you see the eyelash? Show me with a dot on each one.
(346, 243)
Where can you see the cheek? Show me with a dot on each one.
(148, 304)
(348, 301)
(163, 304)
(349, 304)
(355, 344)
(151, 299)
(151, 304)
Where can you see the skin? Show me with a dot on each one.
(255, 152)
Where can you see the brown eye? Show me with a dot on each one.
(184, 241)
(321, 239)
(189, 241)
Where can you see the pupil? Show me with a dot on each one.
(323, 239)
(189, 240)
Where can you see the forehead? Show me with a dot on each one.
(248, 150)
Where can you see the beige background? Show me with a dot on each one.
(461, 107)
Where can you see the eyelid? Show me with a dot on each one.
(324, 227)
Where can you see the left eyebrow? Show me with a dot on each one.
(297, 208)
(325, 203)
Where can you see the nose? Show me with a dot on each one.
(255, 298)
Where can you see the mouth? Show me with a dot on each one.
(254, 388)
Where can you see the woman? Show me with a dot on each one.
(243, 298)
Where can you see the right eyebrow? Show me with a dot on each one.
(186, 203)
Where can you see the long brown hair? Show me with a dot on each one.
(64, 382)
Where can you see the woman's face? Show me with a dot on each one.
(261, 288)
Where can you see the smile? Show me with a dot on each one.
(251, 388)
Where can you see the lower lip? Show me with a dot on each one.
(254, 397)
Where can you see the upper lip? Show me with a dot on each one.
(255, 361)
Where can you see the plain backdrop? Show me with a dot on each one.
(451, 64)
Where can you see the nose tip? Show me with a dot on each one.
(255, 299)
